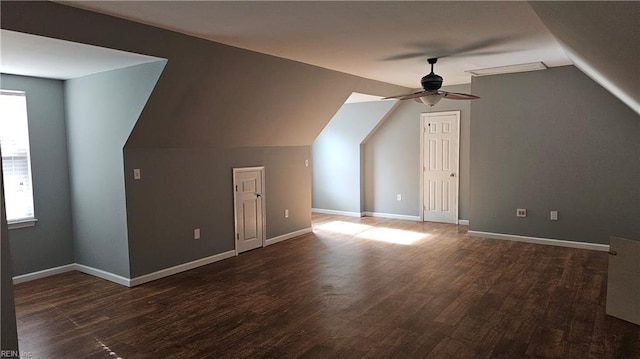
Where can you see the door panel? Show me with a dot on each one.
(440, 167)
(623, 286)
(249, 208)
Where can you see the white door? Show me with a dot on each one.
(441, 134)
(248, 186)
(623, 285)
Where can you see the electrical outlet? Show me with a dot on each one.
(196, 233)
(306, 163)
(521, 212)
(554, 215)
(399, 197)
(136, 174)
(286, 213)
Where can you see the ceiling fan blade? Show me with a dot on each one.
(406, 56)
(458, 96)
(409, 95)
(480, 45)
(438, 50)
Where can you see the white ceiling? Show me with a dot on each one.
(30, 55)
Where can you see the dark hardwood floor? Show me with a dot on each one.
(346, 291)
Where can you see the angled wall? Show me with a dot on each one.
(554, 140)
(336, 156)
(101, 111)
(49, 243)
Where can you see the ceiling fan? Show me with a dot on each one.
(432, 93)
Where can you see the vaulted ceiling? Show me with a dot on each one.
(391, 40)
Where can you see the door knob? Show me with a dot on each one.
(258, 195)
(452, 175)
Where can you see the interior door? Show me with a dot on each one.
(440, 146)
(623, 285)
(249, 208)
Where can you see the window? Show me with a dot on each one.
(16, 161)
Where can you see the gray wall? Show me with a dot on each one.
(554, 140)
(336, 156)
(101, 111)
(210, 96)
(8, 330)
(392, 158)
(49, 243)
(184, 189)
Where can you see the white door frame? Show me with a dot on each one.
(423, 117)
(235, 205)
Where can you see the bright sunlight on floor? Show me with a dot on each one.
(381, 234)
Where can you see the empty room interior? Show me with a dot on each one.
(387, 179)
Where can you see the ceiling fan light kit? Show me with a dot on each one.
(430, 100)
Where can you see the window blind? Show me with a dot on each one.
(16, 161)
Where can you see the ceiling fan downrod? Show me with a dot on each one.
(431, 82)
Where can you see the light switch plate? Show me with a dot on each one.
(136, 174)
(521, 212)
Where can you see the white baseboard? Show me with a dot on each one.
(337, 213)
(43, 273)
(546, 241)
(392, 216)
(180, 268)
(120, 279)
(463, 222)
(103, 274)
(284, 237)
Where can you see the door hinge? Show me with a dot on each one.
(237, 236)
(236, 188)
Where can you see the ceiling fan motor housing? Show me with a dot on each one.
(431, 82)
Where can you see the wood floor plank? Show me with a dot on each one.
(350, 289)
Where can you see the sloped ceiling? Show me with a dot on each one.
(210, 94)
(602, 40)
(369, 39)
(362, 38)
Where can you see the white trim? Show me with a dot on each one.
(546, 241)
(43, 273)
(103, 274)
(22, 223)
(337, 213)
(126, 281)
(393, 216)
(180, 268)
(463, 222)
(284, 237)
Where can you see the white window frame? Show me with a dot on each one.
(15, 147)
